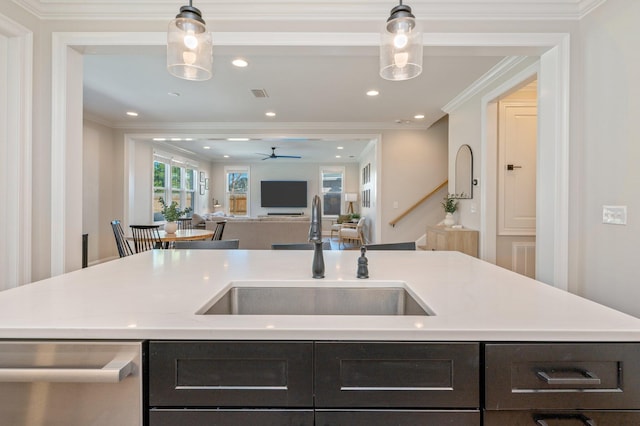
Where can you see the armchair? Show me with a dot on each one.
(352, 233)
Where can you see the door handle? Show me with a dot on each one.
(511, 167)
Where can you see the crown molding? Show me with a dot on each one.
(495, 73)
(262, 126)
(309, 10)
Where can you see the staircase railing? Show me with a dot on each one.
(422, 200)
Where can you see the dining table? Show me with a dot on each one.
(182, 235)
(186, 235)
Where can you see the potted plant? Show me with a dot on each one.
(172, 213)
(355, 217)
(450, 206)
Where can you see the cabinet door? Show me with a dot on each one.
(562, 376)
(397, 374)
(396, 418)
(562, 418)
(230, 374)
(181, 417)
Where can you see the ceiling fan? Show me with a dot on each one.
(274, 155)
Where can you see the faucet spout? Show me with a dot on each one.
(315, 237)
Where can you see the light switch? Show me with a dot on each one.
(614, 215)
(395, 204)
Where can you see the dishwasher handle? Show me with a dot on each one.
(116, 370)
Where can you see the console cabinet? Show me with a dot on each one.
(463, 240)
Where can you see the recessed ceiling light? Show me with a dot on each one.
(237, 139)
(338, 156)
(418, 116)
(173, 94)
(159, 139)
(176, 139)
(341, 147)
(206, 147)
(132, 113)
(373, 93)
(270, 114)
(225, 156)
(240, 63)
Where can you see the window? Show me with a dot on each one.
(332, 180)
(237, 191)
(173, 180)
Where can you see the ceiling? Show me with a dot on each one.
(314, 89)
(317, 92)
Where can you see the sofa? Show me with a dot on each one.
(260, 233)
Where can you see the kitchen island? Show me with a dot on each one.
(497, 348)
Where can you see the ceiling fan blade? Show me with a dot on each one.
(287, 156)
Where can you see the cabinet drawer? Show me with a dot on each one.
(562, 418)
(181, 417)
(230, 374)
(396, 418)
(398, 374)
(564, 376)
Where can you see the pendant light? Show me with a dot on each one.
(189, 46)
(401, 46)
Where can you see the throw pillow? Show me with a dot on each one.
(196, 219)
(343, 218)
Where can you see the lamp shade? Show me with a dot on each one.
(350, 196)
(189, 46)
(401, 46)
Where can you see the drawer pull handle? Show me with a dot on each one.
(588, 378)
(541, 420)
(115, 371)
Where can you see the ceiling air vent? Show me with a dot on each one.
(259, 93)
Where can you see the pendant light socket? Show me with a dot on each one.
(189, 46)
(401, 45)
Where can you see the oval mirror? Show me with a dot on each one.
(464, 173)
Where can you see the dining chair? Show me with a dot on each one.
(326, 245)
(124, 249)
(217, 233)
(207, 245)
(146, 237)
(184, 223)
(408, 245)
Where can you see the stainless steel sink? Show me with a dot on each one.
(314, 300)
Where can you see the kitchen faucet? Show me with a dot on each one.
(315, 237)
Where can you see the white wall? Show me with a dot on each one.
(100, 190)
(413, 163)
(610, 153)
(272, 170)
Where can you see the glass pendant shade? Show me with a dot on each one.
(189, 46)
(401, 46)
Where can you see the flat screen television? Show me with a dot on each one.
(283, 193)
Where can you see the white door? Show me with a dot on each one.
(517, 137)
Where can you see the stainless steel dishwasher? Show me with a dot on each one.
(55, 383)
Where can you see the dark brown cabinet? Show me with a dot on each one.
(399, 374)
(307, 383)
(562, 384)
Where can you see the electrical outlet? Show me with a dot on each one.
(614, 215)
(395, 204)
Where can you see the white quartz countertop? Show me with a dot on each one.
(155, 295)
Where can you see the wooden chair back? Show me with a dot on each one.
(145, 237)
(124, 249)
(184, 223)
(408, 245)
(207, 245)
(217, 233)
